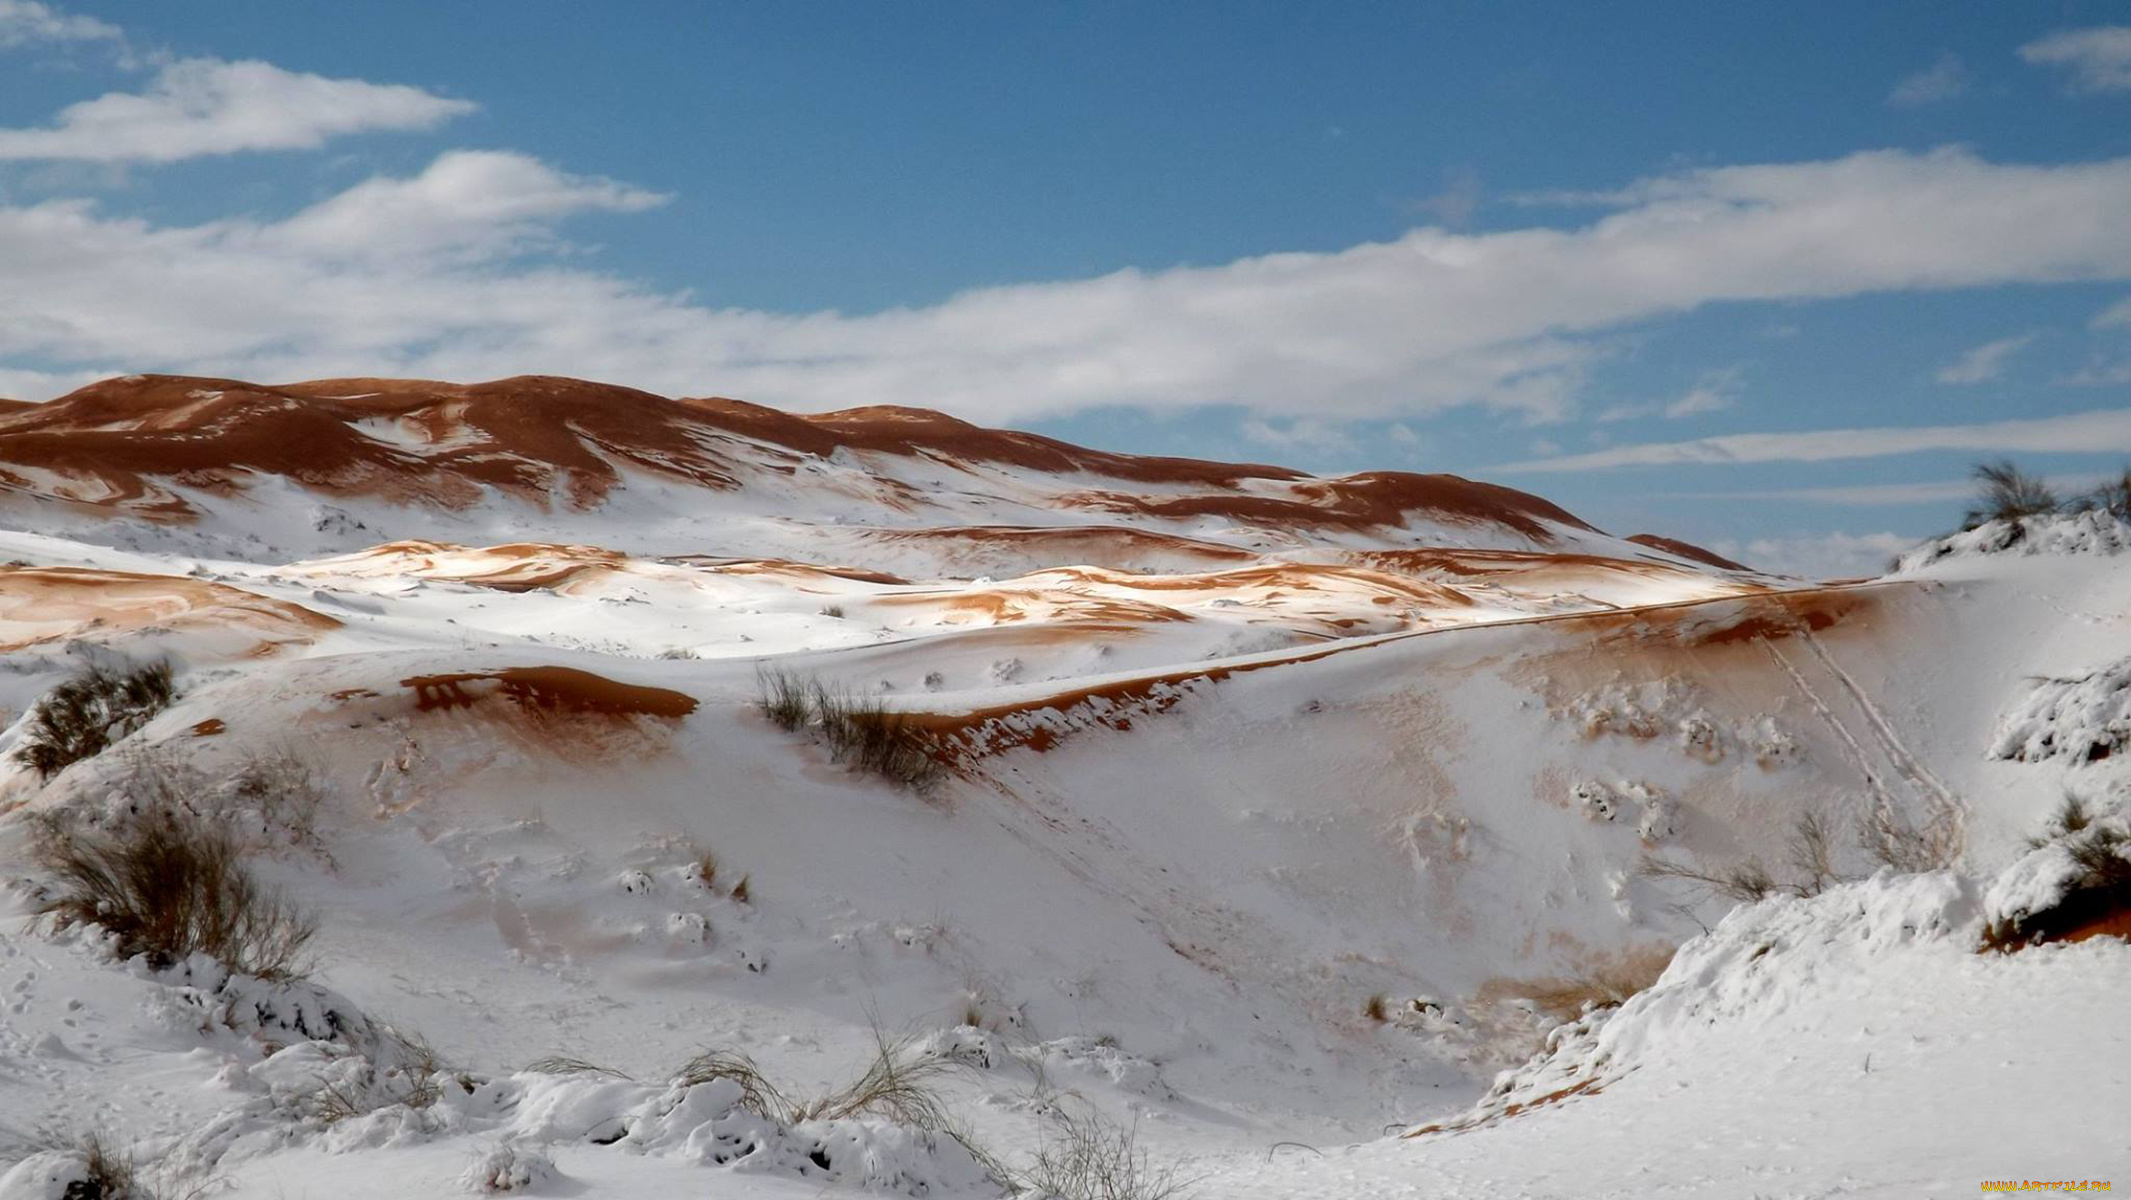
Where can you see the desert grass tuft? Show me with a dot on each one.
(167, 885)
(563, 1064)
(861, 732)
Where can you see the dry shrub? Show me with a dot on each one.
(1910, 849)
(1084, 1156)
(284, 788)
(2098, 898)
(1812, 851)
(2004, 493)
(169, 884)
(1376, 1008)
(1884, 834)
(89, 711)
(2113, 496)
(1745, 881)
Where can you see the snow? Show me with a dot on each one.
(1198, 813)
(2092, 531)
(2081, 719)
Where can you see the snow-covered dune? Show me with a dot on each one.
(1253, 808)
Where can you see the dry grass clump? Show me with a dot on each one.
(414, 1076)
(89, 711)
(785, 699)
(868, 736)
(169, 884)
(758, 1094)
(861, 732)
(109, 1171)
(2098, 899)
(1083, 1156)
(564, 1064)
(896, 1086)
(703, 872)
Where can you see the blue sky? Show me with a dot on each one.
(1660, 263)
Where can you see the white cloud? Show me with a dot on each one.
(2099, 57)
(2116, 316)
(203, 106)
(434, 275)
(1819, 555)
(1714, 392)
(1943, 80)
(2101, 431)
(1985, 362)
(23, 22)
(468, 206)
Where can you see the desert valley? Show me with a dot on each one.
(639, 796)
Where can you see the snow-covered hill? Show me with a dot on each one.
(239, 470)
(1255, 810)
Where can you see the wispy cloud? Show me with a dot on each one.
(1886, 495)
(25, 22)
(202, 106)
(2116, 316)
(1715, 391)
(1985, 362)
(2099, 373)
(2099, 57)
(1942, 80)
(445, 274)
(2100, 431)
(1303, 432)
(1459, 199)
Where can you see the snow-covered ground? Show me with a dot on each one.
(1273, 856)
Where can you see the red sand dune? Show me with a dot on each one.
(42, 604)
(123, 443)
(1686, 550)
